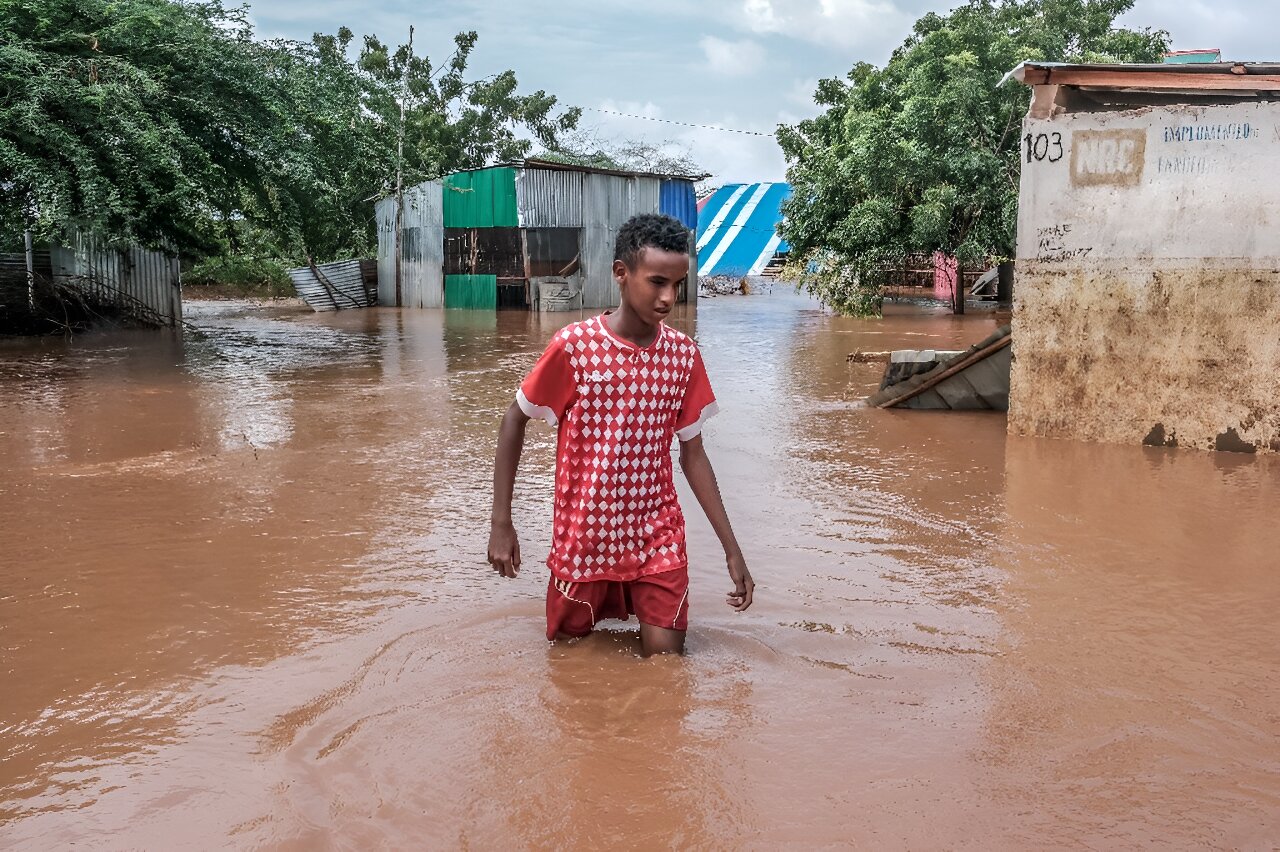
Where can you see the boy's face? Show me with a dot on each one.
(650, 287)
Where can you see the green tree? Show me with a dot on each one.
(138, 119)
(168, 123)
(923, 154)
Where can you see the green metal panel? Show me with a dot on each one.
(482, 199)
(475, 292)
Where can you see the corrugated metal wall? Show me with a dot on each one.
(471, 292)
(481, 199)
(679, 200)
(421, 248)
(147, 284)
(608, 202)
(341, 288)
(549, 199)
(385, 212)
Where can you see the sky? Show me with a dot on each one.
(744, 65)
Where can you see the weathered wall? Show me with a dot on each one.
(1147, 306)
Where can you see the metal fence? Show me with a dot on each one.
(143, 284)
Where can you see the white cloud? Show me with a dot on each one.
(647, 109)
(844, 24)
(732, 58)
(735, 157)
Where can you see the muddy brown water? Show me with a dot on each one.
(244, 604)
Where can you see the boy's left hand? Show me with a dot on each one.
(743, 585)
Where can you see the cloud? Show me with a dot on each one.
(845, 24)
(732, 58)
(802, 92)
(647, 109)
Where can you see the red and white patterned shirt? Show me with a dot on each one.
(617, 406)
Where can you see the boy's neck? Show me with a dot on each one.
(625, 324)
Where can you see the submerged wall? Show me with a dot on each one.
(1147, 307)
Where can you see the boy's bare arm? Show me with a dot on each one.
(702, 479)
(504, 545)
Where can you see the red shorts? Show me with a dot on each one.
(661, 600)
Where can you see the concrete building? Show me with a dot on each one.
(1147, 306)
(535, 235)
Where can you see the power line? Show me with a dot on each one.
(681, 123)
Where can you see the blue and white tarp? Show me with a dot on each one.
(737, 229)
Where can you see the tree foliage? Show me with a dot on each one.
(923, 154)
(169, 124)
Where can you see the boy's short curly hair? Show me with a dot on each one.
(650, 229)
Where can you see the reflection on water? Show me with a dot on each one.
(243, 602)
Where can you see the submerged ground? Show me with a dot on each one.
(243, 601)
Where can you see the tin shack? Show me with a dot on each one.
(536, 235)
(1147, 306)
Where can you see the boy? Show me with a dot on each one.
(619, 386)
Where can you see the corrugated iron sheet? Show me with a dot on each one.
(678, 199)
(481, 199)
(608, 202)
(421, 248)
(340, 286)
(549, 199)
(475, 292)
(143, 283)
(738, 233)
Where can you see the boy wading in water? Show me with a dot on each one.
(618, 387)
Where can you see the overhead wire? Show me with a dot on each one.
(680, 123)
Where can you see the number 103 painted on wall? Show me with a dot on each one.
(1044, 146)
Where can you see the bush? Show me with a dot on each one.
(246, 275)
(838, 284)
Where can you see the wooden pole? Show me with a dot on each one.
(404, 94)
(31, 270)
(528, 271)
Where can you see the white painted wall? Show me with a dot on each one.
(1182, 182)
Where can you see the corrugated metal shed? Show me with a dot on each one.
(421, 248)
(678, 200)
(532, 196)
(485, 198)
(737, 233)
(339, 286)
(549, 199)
(143, 283)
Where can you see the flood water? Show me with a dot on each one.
(244, 603)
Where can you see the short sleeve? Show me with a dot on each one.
(699, 402)
(549, 389)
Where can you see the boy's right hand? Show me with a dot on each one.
(504, 549)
